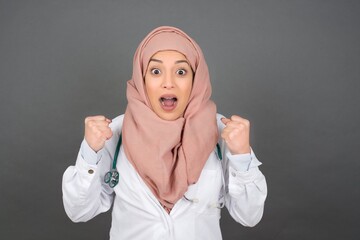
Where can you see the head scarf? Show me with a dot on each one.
(169, 155)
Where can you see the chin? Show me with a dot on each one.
(169, 116)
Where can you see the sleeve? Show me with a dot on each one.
(85, 194)
(245, 185)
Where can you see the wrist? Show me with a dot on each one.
(243, 150)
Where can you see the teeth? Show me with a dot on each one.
(174, 99)
(163, 99)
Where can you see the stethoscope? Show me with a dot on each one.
(112, 176)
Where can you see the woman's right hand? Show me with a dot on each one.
(97, 131)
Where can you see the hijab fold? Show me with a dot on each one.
(169, 155)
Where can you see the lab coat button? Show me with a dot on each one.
(91, 171)
(233, 174)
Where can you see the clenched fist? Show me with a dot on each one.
(97, 131)
(236, 134)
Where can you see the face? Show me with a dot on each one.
(168, 84)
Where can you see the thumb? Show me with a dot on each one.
(225, 120)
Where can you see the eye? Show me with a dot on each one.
(155, 71)
(181, 71)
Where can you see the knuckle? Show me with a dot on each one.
(109, 135)
(246, 122)
(91, 124)
(230, 124)
(236, 118)
(236, 131)
(87, 119)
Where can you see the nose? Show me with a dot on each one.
(168, 81)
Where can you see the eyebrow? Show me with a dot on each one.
(155, 60)
(176, 62)
(182, 61)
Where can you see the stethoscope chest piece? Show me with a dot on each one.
(112, 178)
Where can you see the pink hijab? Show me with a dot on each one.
(169, 155)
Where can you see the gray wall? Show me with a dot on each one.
(291, 67)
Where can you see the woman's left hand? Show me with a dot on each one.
(237, 134)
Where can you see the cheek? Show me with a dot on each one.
(151, 95)
(188, 86)
(149, 86)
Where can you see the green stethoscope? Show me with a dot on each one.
(112, 176)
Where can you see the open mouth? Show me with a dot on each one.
(168, 103)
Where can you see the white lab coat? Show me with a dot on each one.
(235, 182)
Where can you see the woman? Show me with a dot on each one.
(178, 162)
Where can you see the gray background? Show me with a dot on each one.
(291, 67)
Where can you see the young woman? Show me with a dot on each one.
(170, 163)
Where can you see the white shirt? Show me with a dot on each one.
(235, 182)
